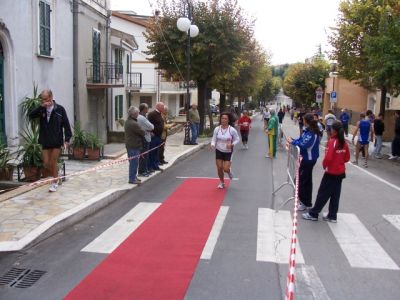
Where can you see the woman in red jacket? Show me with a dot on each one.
(336, 155)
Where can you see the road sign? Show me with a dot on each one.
(333, 97)
(319, 92)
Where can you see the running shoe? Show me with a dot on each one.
(221, 185)
(301, 207)
(354, 162)
(392, 157)
(267, 155)
(326, 218)
(53, 187)
(307, 216)
(230, 174)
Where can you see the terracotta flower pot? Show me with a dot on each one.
(7, 173)
(31, 173)
(93, 154)
(78, 153)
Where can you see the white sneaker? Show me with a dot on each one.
(53, 187)
(392, 157)
(221, 185)
(267, 155)
(301, 207)
(230, 174)
(247, 146)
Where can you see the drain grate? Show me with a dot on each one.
(21, 278)
(29, 279)
(11, 276)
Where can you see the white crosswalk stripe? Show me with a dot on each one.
(273, 237)
(358, 245)
(308, 285)
(214, 234)
(110, 239)
(394, 220)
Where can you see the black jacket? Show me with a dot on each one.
(157, 120)
(51, 133)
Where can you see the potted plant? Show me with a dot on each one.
(29, 104)
(6, 169)
(31, 155)
(93, 146)
(79, 142)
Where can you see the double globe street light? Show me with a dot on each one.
(184, 24)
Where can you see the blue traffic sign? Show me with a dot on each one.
(333, 96)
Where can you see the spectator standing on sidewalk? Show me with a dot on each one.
(329, 119)
(345, 119)
(225, 137)
(364, 132)
(281, 115)
(272, 132)
(164, 136)
(148, 128)
(54, 129)
(134, 136)
(396, 141)
(379, 128)
(336, 155)
(244, 123)
(309, 151)
(194, 119)
(157, 120)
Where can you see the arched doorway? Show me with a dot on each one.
(3, 138)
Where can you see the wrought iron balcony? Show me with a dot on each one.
(133, 81)
(104, 75)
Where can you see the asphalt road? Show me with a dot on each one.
(332, 269)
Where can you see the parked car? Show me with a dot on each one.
(214, 109)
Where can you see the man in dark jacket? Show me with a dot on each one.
(53, 127)
(134, 136)
(157, 120)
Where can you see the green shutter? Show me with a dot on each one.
(44, 28)
(121, 107)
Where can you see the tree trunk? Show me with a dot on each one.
(382, 107)
(201, 96)
(222, 103)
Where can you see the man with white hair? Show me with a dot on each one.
(148, 128)
(134, 136)
(157, 120)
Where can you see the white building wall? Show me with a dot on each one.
(19, 37)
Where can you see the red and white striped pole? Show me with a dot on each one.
(292, 257)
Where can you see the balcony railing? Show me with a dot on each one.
(134, 81)
(105, 74)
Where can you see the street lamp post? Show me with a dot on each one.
(184, 24)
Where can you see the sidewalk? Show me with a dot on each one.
(37, 214)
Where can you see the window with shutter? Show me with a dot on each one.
(44, 28)
(118, 107)
(96, 55)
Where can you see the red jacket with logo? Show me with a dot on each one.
(244, 123)
(335, 158)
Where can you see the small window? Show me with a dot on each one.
(44, 28)
(118, 63)
(146, 99)
(119, 107)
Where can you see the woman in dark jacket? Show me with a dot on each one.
(309, 151)
(396, 140)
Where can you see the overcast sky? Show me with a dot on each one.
(288, 29)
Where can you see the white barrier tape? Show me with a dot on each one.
(117, 162)
(289, 293)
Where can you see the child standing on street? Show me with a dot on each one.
(337, 154)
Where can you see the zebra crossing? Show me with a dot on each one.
(273, 237)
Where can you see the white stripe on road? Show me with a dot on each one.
(394, 219)
(274, 237)
(358, 245)
(308, 285)
(110, 239)
(215, 232)
(186, 177)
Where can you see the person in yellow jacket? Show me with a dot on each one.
(272, 132)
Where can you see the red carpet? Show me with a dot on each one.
(158, 260)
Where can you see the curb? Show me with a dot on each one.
(78, 213)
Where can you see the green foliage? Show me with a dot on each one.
(302, 79)
(31, 150)
(367, 43)
(93, 141)
(5, 156)
(28, 104)
(79, 138)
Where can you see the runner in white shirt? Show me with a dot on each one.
(224, 139)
